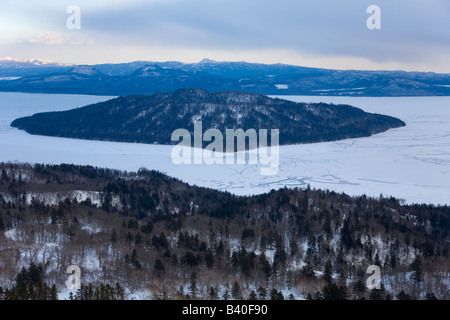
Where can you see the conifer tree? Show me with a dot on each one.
(262, 292)
(235, 290)
(53, 293)
(209, 258)
(416, 268)
(113, 236)
(193, 286)
(226, 295)
(159, 266)
(328, 274)
(252, 295)
(212, 293)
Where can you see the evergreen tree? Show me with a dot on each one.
(346, 235)
(266, 267)
(212, 293)
(376, 294)
(159, 266)
(209, 258)
(416, 268)
(318, 295)
(308, 271)
(377, 260)
(335, 292)
(147, 228)
(134, 259)
(293, 247)
(193, 286)
(235, 290)
(120, 292)
(163, 243)
(113, 236)
(129, 238)
(359, 288)
(226, 295)
(54, 293)
(280, 253)
(137, 239)
(262, 292)
(276, 295)
(234, 259)
(252, 296)
(403, 296)
(431, 296)
(328, 274)
(393, 261)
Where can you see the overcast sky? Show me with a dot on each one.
(414, 34)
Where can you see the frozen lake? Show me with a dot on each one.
(410, 163)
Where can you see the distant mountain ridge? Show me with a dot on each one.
(152, 119)
(10, 67)
(274, 79)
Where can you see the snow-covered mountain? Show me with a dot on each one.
(213, 75)
(85, 70)
(22, 63)
(11, 67)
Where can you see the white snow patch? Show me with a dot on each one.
(91, 263)
(11, 234)
(64, 294)
(91, 228)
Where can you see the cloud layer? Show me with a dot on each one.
(414, 34)
(55, 38)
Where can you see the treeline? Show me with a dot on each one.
(30, 285)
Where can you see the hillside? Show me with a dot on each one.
(152, 119)
(147, 236)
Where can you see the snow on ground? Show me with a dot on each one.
(91, 263)
(410, 163)
(92, 229)
(139, 295)
(65, 294)
(11, 234)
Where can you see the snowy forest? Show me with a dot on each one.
(144, 235)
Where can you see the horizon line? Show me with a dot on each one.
(205, 61)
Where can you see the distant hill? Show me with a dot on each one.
(152, 119)
(10, 67)
(86, 79)
(274, 79)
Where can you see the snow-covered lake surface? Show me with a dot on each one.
(410, 163)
